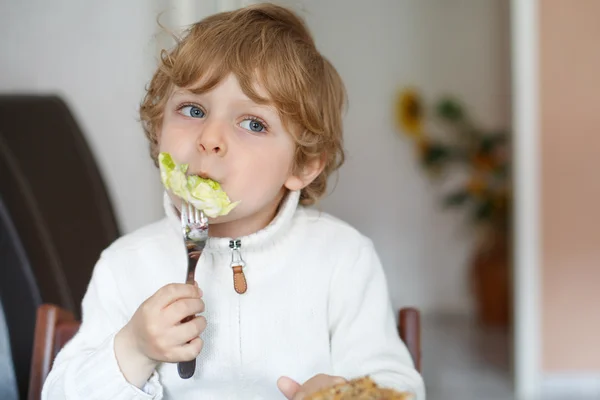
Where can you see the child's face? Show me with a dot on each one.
(224, 135)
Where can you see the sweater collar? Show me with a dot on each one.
(262, 238)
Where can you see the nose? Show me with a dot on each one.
(211, 139)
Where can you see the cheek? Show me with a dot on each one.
(274, 164)
(264, 179)
(262, 176)
(177, 141)
(165, 136)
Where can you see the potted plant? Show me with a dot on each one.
(473, 165)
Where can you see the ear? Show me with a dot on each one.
(306, 175)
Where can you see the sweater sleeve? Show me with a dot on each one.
(364, 338)
(86, 368)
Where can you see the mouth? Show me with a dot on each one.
(204, 175)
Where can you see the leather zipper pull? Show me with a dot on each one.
(239, 279)
(237, 265)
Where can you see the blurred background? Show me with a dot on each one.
(474, 123)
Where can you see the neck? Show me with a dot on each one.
(247, 225)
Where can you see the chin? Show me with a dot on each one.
(232, 216)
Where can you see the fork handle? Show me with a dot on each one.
(186, 369)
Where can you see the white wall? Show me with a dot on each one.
(98, 55)
(453, 46)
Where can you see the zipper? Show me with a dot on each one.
(237, 265)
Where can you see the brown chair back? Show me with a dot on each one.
(409, 328)
(54, 327)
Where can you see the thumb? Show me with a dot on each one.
(288, 387)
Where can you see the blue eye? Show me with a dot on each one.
(192, 111)
(253, 125)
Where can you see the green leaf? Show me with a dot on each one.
(487, 144)
(484, 210)
(204, 194)
(456, 198)
(435, 154)
(490, 142)
(450, 109)
(501, 171)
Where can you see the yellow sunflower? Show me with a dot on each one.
(409, 112)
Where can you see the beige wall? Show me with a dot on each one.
(570, 152)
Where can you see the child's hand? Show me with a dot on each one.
(156, 332)
(292, 390)
(157, 329)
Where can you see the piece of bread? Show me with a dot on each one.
(358, 389)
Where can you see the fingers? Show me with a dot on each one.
(338, 380)
(188, 331)
(182, 308)
(288, 387)
(172, 292)
(191, 350)
(158, 325)
(185, 352)
(316, 383)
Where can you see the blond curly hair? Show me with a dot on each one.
(269, 45)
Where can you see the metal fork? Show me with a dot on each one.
(194, 225)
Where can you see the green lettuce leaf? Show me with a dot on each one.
(204, 194)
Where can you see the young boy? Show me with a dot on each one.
(247, 100)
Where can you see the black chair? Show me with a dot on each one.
(55, 217)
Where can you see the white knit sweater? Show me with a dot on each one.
(317, 302)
